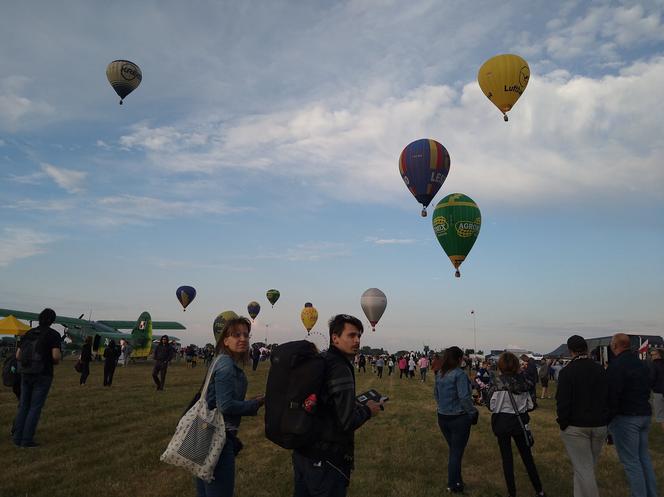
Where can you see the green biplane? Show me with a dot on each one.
(102, 332)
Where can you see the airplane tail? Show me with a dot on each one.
(142, 335)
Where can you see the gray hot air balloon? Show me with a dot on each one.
(373, 304)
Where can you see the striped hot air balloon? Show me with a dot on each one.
(424, 165)
(124, 76)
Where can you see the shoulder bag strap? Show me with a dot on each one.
(206, 384)
(516, 412)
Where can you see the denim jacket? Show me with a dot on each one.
(228, 386)
(453, 393)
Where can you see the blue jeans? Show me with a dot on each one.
(630, 435)
(456, 430)
(34, 390)
(224, 475)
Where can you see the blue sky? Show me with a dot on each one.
(261, 151)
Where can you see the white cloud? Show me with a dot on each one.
(567, 136)
(67, 179)
(308, 252)
(41, 205)
(603, 31)
(21, 243)
(392, 241)
(16, 110)
(131, 209)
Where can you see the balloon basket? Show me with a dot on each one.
(120, 102)
(457, 274)
(424, 213)
(505, 118)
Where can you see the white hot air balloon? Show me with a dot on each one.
(373, 304)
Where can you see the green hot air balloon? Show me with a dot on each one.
(273, 295)
(220, 322)
(456, 223)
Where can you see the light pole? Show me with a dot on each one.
(266, 342)
(472, 313)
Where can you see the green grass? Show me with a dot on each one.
(106, 442)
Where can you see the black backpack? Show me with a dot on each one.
(292, 393)
(32, 359)
(9, 371)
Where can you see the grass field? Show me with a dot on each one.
(106, 442)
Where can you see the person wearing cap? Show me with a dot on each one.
(629, 409)
(583, 414)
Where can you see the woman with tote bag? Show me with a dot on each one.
(226, 391)
(509, 401)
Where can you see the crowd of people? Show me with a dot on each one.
(594, 405)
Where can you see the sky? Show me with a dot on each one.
(261, 151)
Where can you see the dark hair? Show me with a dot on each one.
(229, 326)
(451, 359)
(162, 337)
(338, 323)
(47, 317)
(577, 344)
(508, 363)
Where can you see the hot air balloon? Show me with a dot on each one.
(273, 295)
(424, 165)
(503, 79)
(124, 76)
(220, 321)
(456, 223)
(253, 309)
(373, 302)
(309, 316)
(185, 294)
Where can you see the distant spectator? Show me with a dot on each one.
(423, 364)
(411, 367)
(380, 364)
(362, 363)
(86, 359)
(163, 355)
(658, 384)
(390, 366)
(629, 405)
(111, 355)
(581, 405)
(530, 372)
(544, 377)
(403, 367)
(38, 352)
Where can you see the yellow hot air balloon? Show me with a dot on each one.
(309, 316)
(503, 79)
(124, 76)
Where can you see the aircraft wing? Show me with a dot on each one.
(33, 316)
(156, 325)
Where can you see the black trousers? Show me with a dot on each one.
(159, 374)
(109, 371)
(317, 478)
(85, 372)
(380, 371)
(505, 444)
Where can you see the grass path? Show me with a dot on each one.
(100, 442)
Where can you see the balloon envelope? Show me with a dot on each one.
(503, 79)
(309, 316)
(374, 303)
(273, 295)
(424, 165)
(124, 76)
(220, 322)
(253, 309)
(185, 294)
(456, 223)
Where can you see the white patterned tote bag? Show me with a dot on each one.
(199, 438)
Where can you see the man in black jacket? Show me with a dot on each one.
(629, 406)
(582, 414)
(163, 354)
(658, 384)
(323, 469)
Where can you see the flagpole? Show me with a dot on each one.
(474, 332)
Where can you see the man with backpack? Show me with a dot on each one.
(39, 351)
(311, 408)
